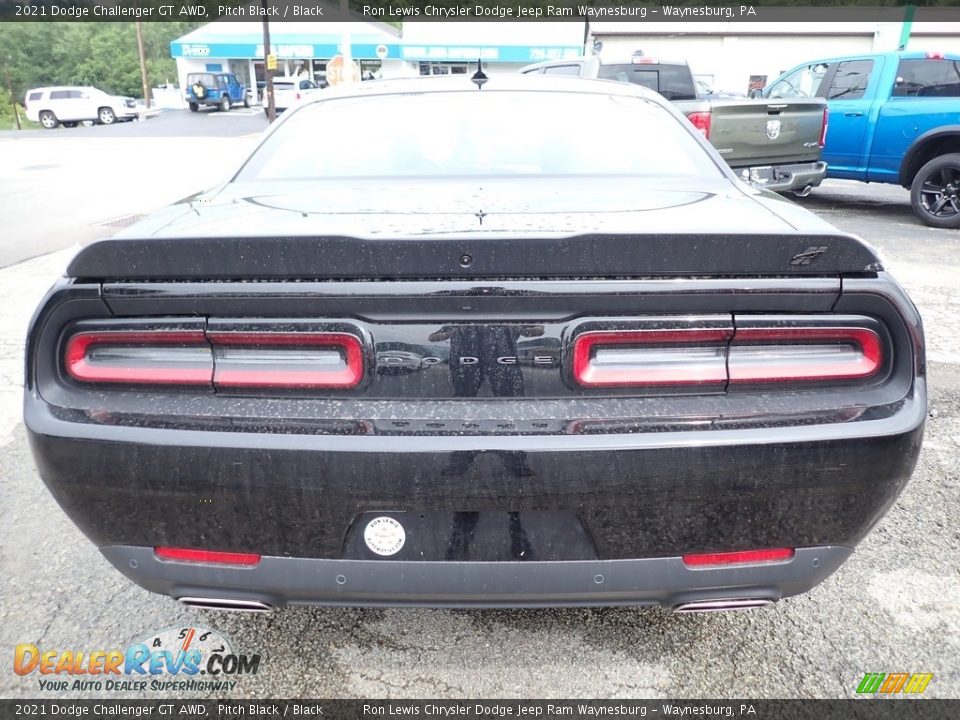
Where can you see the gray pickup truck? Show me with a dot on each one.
(771, 144)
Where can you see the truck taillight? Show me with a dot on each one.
(803, 354)
(651, 358)
(139, 357)
(823, 128)
(701, 121)
(294, 360)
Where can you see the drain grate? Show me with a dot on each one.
(124, 220)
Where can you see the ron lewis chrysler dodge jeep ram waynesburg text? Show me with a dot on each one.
(489, 359)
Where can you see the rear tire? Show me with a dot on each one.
(48, 120)
(225, 104)
(106, 116)
(194, 107)
(935, 192)
(246, 101)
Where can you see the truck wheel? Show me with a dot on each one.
(225, 103)
(106, 116)
(48, 120)
(246, 101)
(935, 192)
(194, 107)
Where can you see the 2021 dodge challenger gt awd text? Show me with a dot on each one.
(518, 342)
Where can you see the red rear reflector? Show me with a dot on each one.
(206, 556)
(701, 121)
(761, 355)
(743, 557)
(295, 360)
(152, 357)
(651, 357)
(823, 127)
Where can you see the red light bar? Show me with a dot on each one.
(761, 355)
(206, 556)
(152, 357)
(743, 557)
(651, 357)
(298, 360)
(823, 127)
(701, 121)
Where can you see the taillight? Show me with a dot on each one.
(641, 358)
(172, 554)
(701, 121)
(140, 357)
(743, 557)
(797, 354)
(823, 128)
(295, 360)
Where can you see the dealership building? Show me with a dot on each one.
(732, 56)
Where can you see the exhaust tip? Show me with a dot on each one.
(803, 192)
(230, 604)
(722, 605)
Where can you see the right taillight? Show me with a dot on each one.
(823, 128)
(803, 354)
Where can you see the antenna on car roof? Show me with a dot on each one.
(479, 77)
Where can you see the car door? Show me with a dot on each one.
(849, 98)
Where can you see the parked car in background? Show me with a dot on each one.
(704, 90)
(222, 90)
(420, 365)
(894, 118)
(69, 106)
(288, 91)
(772, 145)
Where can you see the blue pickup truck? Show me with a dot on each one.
(893, 118)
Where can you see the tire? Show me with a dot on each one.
(106, 116)
(935, 192)
(48, 120)
(194, 107)
(225, 104)
(246, 101)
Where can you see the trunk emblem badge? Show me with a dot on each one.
(773, 129)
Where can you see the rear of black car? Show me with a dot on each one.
(698, 420)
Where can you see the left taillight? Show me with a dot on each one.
(291, 360)
(139, 357)
(701, 121)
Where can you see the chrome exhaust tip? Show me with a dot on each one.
(803, 192)
(722, 604)
(230, 604)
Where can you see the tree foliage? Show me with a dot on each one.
(87, 53)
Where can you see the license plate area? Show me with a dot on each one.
(478, 536)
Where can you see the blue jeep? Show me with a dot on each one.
(894, 118)
(213, 88)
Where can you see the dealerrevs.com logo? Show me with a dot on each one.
(173, 659)
(893, 683)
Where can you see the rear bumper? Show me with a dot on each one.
(279, 581)
(782, 178)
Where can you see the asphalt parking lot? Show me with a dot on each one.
(895, 606)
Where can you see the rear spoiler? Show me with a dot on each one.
(593, 256)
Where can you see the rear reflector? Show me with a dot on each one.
(151, 357)
(744, 557)
(651, 357)
(294, 360)
(206, 556)
(792, 354)
(701, 121)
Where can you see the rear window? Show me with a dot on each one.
(927, 78)
(35, 95)
(206, 79)
(464, 134)
(674, 82)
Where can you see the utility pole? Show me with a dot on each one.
(13, 99)
(267, 70)
(143, 65)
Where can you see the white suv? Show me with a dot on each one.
(52, 106)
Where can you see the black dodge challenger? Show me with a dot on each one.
(515, 341)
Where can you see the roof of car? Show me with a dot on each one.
(494, 83)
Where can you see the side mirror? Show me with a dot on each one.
(756, 93)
